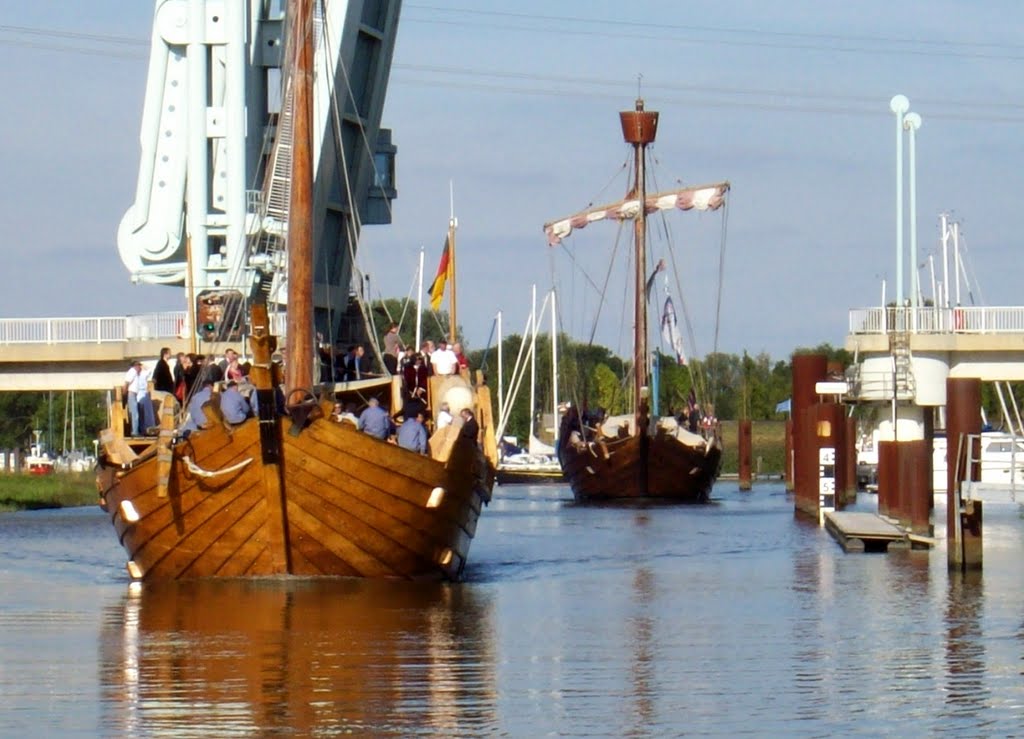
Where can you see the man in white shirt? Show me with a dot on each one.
(140, 406)
(444, 416)
(443, 360)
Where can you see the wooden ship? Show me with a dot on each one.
(636, 456)
(295, 492)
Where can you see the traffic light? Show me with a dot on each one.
(220, 315)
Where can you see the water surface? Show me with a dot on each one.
(729, 619)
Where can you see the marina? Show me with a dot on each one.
(292, 464)
(729, 619)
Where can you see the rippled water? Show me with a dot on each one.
(730, 619)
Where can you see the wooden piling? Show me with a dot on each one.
(808, 370)
(963, 417)
(745, 436)
(850, 452)
(919, 487)
(788, 463)
(822, 427)
(968, 554)
(888, 475)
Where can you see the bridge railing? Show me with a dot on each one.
(97, 330)
(108, 329)
(938, 320)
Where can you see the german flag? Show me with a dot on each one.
(437, 286)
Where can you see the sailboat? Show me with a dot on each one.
(538, 464)
(639, 456)
(295, 493)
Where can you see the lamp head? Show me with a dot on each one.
(899, 104)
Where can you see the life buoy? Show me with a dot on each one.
(958, 319)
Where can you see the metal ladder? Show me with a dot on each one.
(903, 375)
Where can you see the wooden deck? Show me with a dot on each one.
(865, 532)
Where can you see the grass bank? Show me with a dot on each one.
(768, 442)
(33, 492)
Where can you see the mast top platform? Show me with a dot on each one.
(639, 127)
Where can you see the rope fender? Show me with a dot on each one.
(197, 470)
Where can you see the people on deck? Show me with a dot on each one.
(415, 376)
(375, 421)
(355, 367)
(196, 416)
(444, 416)
(415, 404)
(443, 360)
(178, 375)
(163, 378)
(460, 357)
(233, 406)
(470, 428)
(131, 395)
(231, 366)
(412, 434)
(392, 348)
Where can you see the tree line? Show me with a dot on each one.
(737, 386)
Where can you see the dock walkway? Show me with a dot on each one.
(860, 532)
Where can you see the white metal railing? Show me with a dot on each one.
(94, 330)
(107, 329)
(934, 320)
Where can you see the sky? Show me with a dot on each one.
(513, 107)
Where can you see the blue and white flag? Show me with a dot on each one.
(670, 331)
(785, 406)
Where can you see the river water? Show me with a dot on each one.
(730, 619)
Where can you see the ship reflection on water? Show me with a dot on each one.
(238, 657)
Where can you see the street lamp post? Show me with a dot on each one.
(912, 122)
(899, 105)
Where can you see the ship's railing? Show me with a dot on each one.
(938, 320)
(106, 329)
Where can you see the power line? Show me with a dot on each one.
(868, 107)
(809, 102)
(576, 26)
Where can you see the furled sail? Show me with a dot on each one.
(704, 197)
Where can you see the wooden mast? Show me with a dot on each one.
(639, 128)
(299, 342)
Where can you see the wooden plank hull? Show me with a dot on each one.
(634, 468)
(345, 504)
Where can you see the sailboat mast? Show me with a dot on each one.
(452, 322)
(639, 128)
(299, 367)
(419, 305)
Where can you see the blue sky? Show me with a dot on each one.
(515, 104)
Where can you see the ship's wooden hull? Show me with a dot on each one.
(337, 503)
(636, 468)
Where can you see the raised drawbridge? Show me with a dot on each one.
(211, 203)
